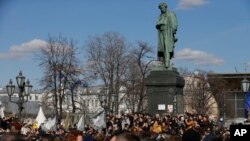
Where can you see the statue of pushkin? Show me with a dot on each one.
(167, 27)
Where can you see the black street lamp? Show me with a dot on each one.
(24, 91)
(103, 98)
(245, 88)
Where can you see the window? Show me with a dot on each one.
(30, 97)
(36, 97)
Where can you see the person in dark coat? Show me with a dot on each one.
(209, 135)
(191, 135)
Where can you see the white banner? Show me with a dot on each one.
(170, 108)
(161, 107)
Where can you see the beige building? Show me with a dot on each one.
(198, 97)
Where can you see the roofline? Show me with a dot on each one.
(228, 75)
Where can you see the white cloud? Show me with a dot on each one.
(22, 50)
(198, 57)
(185, 4)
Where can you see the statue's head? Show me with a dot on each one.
(163, 7)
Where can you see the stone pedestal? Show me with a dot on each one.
(165, 91)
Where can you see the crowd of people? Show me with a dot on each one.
(126, 127)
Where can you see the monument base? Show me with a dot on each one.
(165, 91)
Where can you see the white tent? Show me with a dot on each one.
(99, 121)
(50, 124)
(2, 111)
(2, 108)
(80, 124)
(40, 118)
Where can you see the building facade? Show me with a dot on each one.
(87, 101)
(198, 96)
(232, 101)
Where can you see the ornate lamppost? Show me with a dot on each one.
(245, 88)
(24, 91)
(103, 98)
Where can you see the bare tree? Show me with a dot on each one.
(136, 72)
(108, 55)
(59, 63)
(199, 94)
(184, 71)
(219, 88)
(132, 83)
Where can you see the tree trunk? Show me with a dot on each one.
(141, 96)
(55, 95)
(73, 101)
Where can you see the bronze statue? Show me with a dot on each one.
(167, 27)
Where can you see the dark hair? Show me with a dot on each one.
(175, 138)
(126, 136)
(217, 139)
(163, 4)
(12, 137)
(117, 133)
